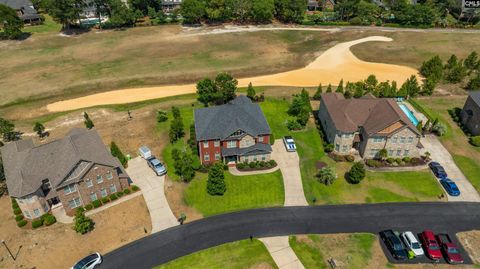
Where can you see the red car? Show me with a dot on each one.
(449, 249)
(430, 245)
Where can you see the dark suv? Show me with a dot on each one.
(394, 245)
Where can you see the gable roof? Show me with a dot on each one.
(26, 165)
(219, 122)
(370, 113)
(26, 6)
(475, 97)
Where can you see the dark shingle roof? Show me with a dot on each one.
(373, 114)
(26, 6)
(26, 166)
(256, 149)
(475, 97)
(219, 122)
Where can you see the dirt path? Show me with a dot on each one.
(334, 64)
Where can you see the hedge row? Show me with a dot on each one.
(111, 197)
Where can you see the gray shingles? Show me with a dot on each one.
(219, 122)
(475, 95)
(26, 167)
(256, 149)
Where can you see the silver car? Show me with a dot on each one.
(157, 166)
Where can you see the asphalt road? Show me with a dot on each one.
(178, 241)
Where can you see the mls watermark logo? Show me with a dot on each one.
(469, 4)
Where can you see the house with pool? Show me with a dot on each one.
(367, 125)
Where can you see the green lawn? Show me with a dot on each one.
(48, 26)
(237, 255)
(470, 168)
(244, 192)
(354, 250)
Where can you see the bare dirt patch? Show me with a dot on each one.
(174, 193)
(59, 246)
(333, 65)
(471, 242)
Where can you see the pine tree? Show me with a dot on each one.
(39, 129)
(116, 152)
(340, 87)
(472, 62)
(176, 126)
(329, 88)
(216, 180)
(318, 94)
(251, 92)
(88, 122)
(356, 173)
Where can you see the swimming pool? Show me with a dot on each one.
(409, 114)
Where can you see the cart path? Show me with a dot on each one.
(330, 67)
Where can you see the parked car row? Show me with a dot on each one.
(448, 184)
(406, 246)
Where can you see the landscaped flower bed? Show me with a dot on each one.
(396, 162)
(341, 158)
(111, 197)
(254, 166)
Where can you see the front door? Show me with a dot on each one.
(230, 159)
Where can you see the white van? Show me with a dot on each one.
(145, 152)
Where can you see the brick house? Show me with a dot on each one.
(70, 172)
(324, 5)
(170, 5)
(471, 113)
(234, 132)
(25, 10)
(367, 125)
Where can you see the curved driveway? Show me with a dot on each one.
(178, 241)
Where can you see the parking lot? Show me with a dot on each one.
(425, 259)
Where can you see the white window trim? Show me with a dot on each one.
(205, 144)
(101, 179)
(109, 175)
(96, 196)
(217, 156)
(101, 192)
(260, 138)
(68, 189)
(76, 205)
(113, 188)
(88, 183)
(216, 143)
(206, 157)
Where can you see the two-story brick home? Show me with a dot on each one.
(368, 125)
(71, 172)
(234, 132)
(471, 113)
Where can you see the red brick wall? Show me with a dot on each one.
(211, 150)
(84, 192)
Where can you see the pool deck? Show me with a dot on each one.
(420, 117)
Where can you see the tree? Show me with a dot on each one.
(206, 91)
(162, 116)
(193, 11)
(432, 69)
(474, 83)
(410, 87)
(262, 11)
(329, 88)
(82, 224)
(456, 73)
(382, 154)
(439, 128)
(290, 10)
(216, 180)
(12, 25)
(183, 161)
(251, 92)
(472, 62)
(356, 173)
(226, 86)
(65, 11)
(428, 86)
(420, 126)
(39, 129)
(176, 126)
(340, 87)
(192, 141)
(326, 175)
(366, 13)
(452, 62)
(120, 15)
(88, 122)
(6, 127)
(116, 152)
(371, 83)
(318, 93)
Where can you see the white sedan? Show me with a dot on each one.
(289, 143)
(412, 243)
(89, 262)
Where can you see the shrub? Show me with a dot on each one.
(406, 159)
(390, 160)
(216, 180)
(113, 197)
(293, 125)
(252, 164)
(272, 139)
(135, 188)
(97, 203)
(82, 224)
(162, 116)
(475, 140)
(440, 129)
(350, 158)
(18, 217)
(356, 173)
(89, 207)
(241, 166)
(105, 200)
(17, 211)
(37, 223)
(127, 191)
(373, 163)
(14, 202)
(48, 219)
(326, 175)
(272, 163)
(80, 209)
(329, 148)
(120, 194)
(22, 223)
(398, 160)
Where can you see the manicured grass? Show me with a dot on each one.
(236, 255)
(354, 250)
(470, 168)
(48, 26)
(243, 192)
(385, 196)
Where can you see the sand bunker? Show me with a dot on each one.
(334, 64)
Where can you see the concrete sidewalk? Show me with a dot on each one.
(282, 253)
(152, 187)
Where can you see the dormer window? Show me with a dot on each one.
(46, 184)
(238, 133)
